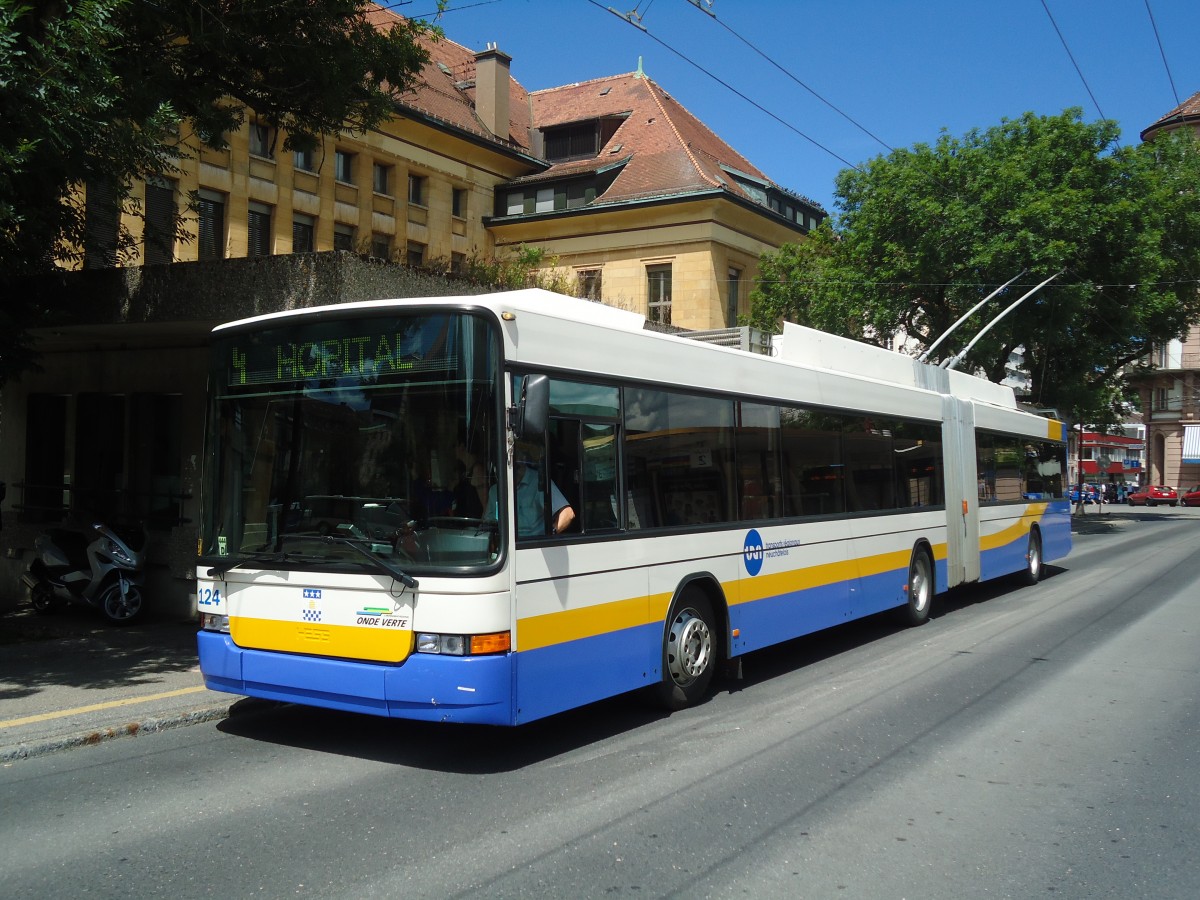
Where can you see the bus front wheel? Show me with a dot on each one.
(689, 650)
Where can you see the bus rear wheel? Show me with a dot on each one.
(1032, 572)
(689, 651)
(920, 588)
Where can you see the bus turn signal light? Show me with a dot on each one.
(499, 642)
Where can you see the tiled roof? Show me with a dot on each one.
(445, 88)
(1188, 110)
(661, 148)
(669, 151)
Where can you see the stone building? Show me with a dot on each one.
(628, 198)
(1170, 393)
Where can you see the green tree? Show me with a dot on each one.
(114, 91)
(925, 233)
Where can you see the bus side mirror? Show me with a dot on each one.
(534, 407)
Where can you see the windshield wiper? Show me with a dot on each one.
(382, 564)
(275, 557)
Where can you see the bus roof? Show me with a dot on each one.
(570, 334)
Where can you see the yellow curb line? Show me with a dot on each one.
(45, 717)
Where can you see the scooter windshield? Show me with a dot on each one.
(380, 430)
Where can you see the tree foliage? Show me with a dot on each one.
(114, 91)
(926, 233)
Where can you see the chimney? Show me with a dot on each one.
(491, 90)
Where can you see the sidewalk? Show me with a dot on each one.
(71, 679)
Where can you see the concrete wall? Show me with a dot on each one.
(145, 330)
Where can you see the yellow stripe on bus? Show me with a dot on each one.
(548, 629)
(378, 644)
(773, 585)
(1014, 532)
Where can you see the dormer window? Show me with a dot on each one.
(580, 140)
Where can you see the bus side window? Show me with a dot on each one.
(601, 509)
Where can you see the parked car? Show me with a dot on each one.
(1154, 495)
(1192, 497)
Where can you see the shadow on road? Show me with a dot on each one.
(470, 749)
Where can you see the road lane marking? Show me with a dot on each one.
(111, 704)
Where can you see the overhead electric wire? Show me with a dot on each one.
(1162, 52)
(832, 106)
(1071, 57)
(731, 88)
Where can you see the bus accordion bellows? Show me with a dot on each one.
(382, 526)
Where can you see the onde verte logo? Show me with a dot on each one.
(752, 552)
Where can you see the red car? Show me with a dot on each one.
(1154, 495)
(1192, 497)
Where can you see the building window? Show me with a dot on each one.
(303, 229)
(303, 160)
(458, 203)
(580, 140)
(414, 254)
(735, 290)
(381, 179)
(658, 283)
(210, 210)
(589, 284)
(102, 221)
(416, 190)
(258, 230)
(260, 140)
(343, 166)
(458, 263)
(577, 195)
(159, 233)
(381, 245)
(549, 199)
(1160, 398)
(343, 237)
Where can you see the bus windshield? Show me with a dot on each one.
(354, 442)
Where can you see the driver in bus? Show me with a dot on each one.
(531, 501)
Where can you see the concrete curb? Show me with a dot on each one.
(129, 729)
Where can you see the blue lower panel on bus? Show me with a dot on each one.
(1004, 560)
(1056, 531)
(563, 676)
(432, 688)
(768, 621)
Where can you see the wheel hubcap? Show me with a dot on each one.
(919, 588)
(689, 647)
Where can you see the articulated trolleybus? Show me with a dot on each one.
(384, 526)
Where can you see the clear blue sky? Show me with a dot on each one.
(901, 69)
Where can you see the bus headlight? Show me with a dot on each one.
(214, 622)
(463, 644)
(445, 644)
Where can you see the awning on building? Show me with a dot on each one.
(1191, 445)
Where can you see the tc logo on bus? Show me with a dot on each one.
(752, 552)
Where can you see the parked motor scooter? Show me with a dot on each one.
(103, 568)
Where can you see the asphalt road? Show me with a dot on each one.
(1026, 742)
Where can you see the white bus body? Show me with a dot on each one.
(564, 620)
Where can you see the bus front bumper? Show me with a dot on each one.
(471, 689)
